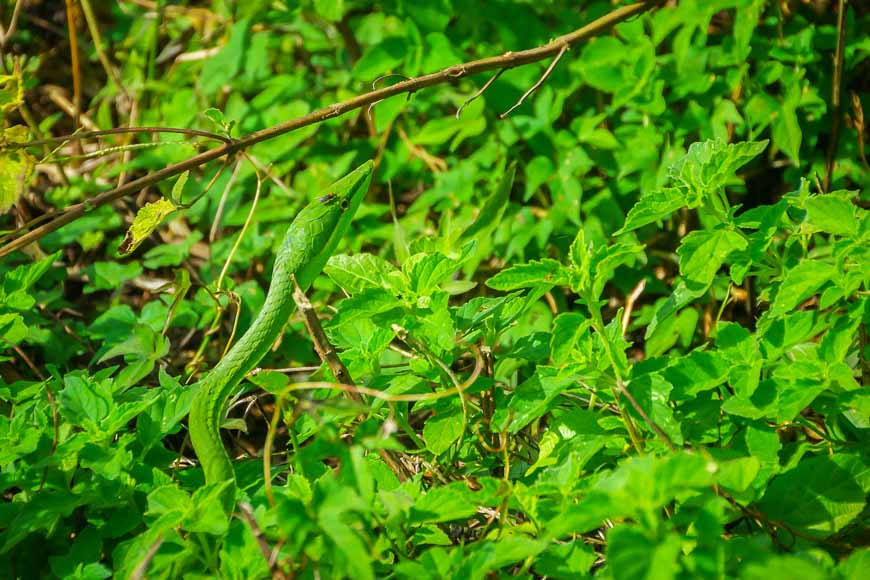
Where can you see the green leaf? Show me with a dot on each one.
(565, 560)
(568, 327)
(365, 304)
(360, 271)
(607, 259)
(654, 207)
(533, 398)
(241, 555)
(696, 372)
(820, 496)
(223, 67)
(86, 401)
(445, 503)
(784, 566)
(854, 566)
(23, 277)
(146, 221)
(335, 516)
(786, 131)
(652, 393)
(216, 116)
(488, 556)
(427, 271)
(832, 213)
(110, 275)
(380, 59)
(633, 554)
(444, 428)
(703, 252)
(202, 512)
(538, 172)
(493, 209)
(546, 271)
(801, 282)
(141, 350)
(708, 165)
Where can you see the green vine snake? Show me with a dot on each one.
(309, 242)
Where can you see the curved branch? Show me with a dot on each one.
(505, 61)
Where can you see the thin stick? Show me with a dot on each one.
(13, 23)
(629, 305)
(267, 450)
(74, 62)
(82, 135)
(247, 512)
(241, 233)
(836, 85)
(322, 344)
(537, 84)
(482, 90)
(142, 567)
(219, 213)
(125, 161)
(91, 21)
(510, 60)
(620, 386)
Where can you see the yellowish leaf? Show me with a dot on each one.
(146, 221)
(11, 93)
(16, 166)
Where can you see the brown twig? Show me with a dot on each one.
(535, 86)
(836, 86)
(328, 354)
(82, 135)
(219, 212)
(450, 74)
(74, 62)
(322, 345)
(433, 162)
(482, 90)
(248, 514)
(629, 305)
(142, 567)
(620, 386)
(859, 127)
(5, 35)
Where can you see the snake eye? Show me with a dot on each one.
(344, 203)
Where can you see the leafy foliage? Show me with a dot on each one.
(620, 333)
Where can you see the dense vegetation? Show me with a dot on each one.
(619, 332)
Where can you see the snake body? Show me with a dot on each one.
(309, 242)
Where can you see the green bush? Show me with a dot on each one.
(620, 332)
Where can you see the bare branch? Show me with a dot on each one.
(482, 90)
(81, 135)
(322, 344)
(13, 23)
(537, 84)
